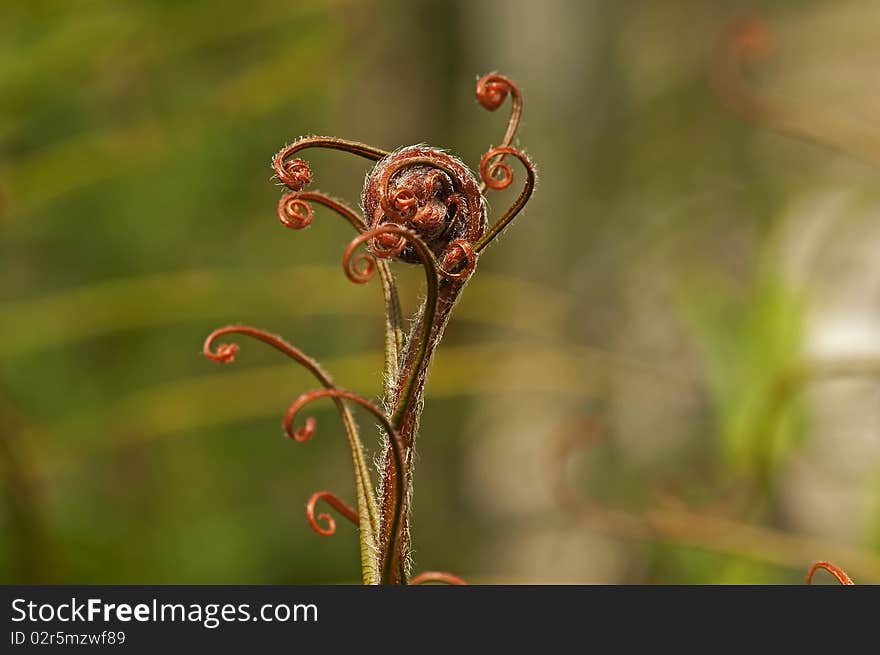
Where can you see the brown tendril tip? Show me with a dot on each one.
(225, 352)
(490, 166)
(838, 573)
(492, 91)
(489, 169)
(294, 212)
(303, 434)
(358, 269)
(336, 504)
(296, 174)
(437, 576)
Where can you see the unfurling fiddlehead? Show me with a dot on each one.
(335, 503)
(422, 206)
(838, 573)
(428, 191)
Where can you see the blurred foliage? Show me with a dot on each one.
(656, 286)
(750, 343)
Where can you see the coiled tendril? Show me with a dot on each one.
(296, 174)
(336, 504)
(225, 352)
(397, 446)
(489, 168)
(492, 91)
(295, 212)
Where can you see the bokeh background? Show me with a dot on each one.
(665, 372)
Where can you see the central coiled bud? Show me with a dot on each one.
(431, 193)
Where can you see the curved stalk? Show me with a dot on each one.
(367, 505)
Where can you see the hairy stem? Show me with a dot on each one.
(415, 364)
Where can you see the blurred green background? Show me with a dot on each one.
(663, 373)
